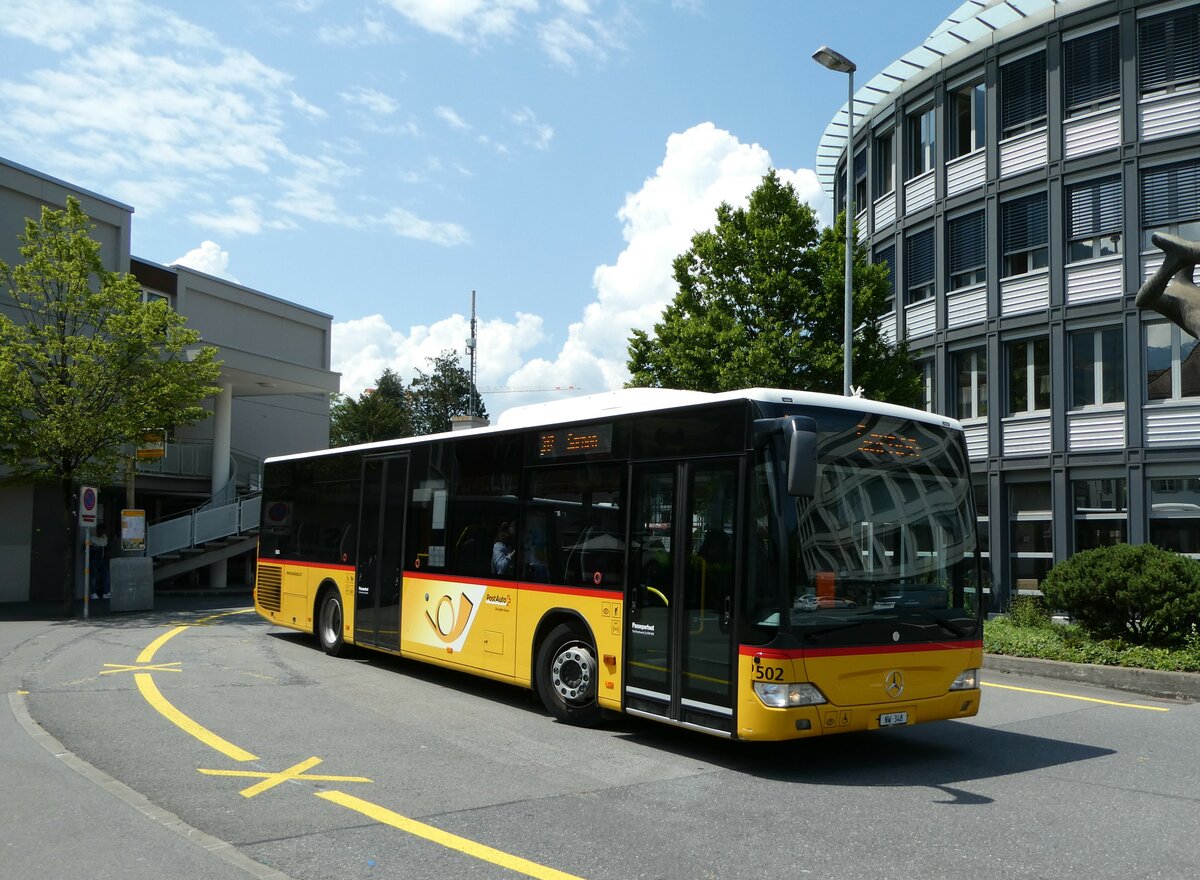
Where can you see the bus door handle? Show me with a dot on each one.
(727, 613)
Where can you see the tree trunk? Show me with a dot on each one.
(68, 523)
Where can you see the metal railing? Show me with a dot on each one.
(202, 525)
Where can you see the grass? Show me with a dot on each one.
(1027, 634)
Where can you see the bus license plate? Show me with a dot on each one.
(891, 719)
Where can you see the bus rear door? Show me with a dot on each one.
(680, 592)
(381, 552)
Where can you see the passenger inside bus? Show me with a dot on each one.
(503, 550)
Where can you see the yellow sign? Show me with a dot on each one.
(133, 529)
(153, 445)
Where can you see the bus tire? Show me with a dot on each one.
(568, 676)
(330, 621)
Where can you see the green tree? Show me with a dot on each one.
(86, 367)
(382, 413)
(443, 392)
(761, 303)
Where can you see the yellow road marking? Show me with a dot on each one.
(148, 652)
(270, 780)
(158, 667)
(1009, 687)
(445, 838)
(154, 697)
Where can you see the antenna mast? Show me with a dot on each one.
(472, 342)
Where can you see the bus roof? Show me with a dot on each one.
(629, 401)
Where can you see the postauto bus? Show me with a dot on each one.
(759, 565)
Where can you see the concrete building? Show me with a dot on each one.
(275, 386)
(1010, 171)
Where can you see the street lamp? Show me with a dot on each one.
(836, 61)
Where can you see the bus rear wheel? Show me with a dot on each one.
(329, 623)
(568, 675)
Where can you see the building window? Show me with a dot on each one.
(979, 486)
(1097, 367)
(1023, 94)
(887, 256)
(1031, 531)
(1101, 513)
(968, 251)
(927, 400)
(968, 119)
(1024, 235)
(1029, 369)
(1169, 51)
(1171, 201)
(1175, 514)
(860, 181)
(1172, 363)
(1095, 219)
(921, 142)
(970, 371)
(885, 164)
(919, 266)
(1092, 71)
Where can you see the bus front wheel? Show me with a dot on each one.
(329, 623)
(567, 676)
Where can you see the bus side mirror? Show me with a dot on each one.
(802, 457)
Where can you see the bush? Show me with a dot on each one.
(1142, 593)
(1029, 611)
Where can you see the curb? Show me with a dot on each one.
(1150, 682)
(219, 848)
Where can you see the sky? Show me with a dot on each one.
(379, 160)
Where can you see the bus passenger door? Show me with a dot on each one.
(680, 592)
(381, 552)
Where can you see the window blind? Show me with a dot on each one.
(1023, 90)
(1092, 68)
(1095, 208)
(1170, 193)
(918, 258)
(967, 246)
(1023, 223)
(1169, 49)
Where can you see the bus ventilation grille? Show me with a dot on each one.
(269, 586)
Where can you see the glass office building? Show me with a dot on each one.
(1010, 172)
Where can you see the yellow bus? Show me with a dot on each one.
(758, 565)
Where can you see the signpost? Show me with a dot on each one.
(89, 503)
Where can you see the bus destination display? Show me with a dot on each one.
(574, 441)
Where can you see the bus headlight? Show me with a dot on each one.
(967, 680)
(779, 695)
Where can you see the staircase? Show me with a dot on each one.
(208, 534)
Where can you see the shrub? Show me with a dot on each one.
(1030, 611)
(1142, 593)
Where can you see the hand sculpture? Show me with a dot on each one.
(1171, 290)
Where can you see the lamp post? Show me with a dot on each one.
(836, 61)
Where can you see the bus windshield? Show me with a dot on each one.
(887, 543)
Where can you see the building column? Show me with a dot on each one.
(222, 437)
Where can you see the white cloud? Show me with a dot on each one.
(408, 225)
(537, 134)
(243, 218)
(371, 100)
(450, 116)
(365, 347)
(369, 32)
(702, 167)
(465, 20)
(209, 259)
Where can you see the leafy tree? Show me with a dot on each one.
(443, 392)
(86, 367)
(380, 414)
(761, 303)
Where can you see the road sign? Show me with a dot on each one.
(89, 503)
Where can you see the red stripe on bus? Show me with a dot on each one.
(801, 653)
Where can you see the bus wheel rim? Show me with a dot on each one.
(573, 674)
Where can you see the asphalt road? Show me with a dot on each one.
(372, 767)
